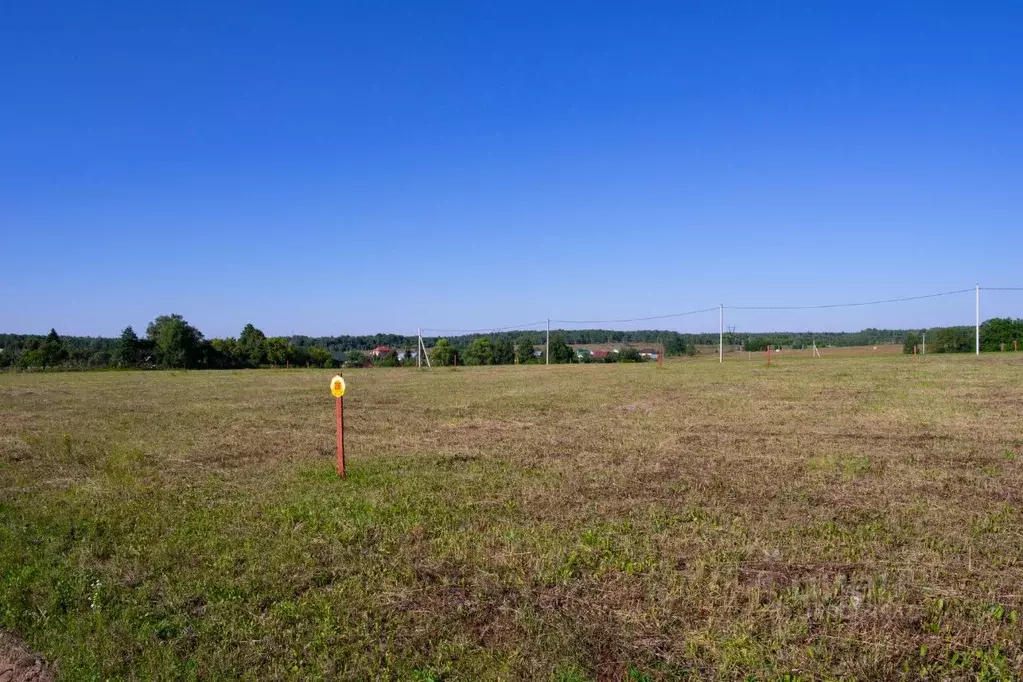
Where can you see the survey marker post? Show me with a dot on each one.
(337, 389)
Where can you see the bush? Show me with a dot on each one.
(912, 341)
(479, 352)
(442, 354)
(952, 340)
(630, 354)
(525, 349)
(560, 351)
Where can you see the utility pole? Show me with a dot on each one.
(422, 352)
(548, 340)
(978, 320)
(721, 332)
(923, 351)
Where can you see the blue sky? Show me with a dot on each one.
(359, 167)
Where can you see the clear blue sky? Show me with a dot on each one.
(359, 167)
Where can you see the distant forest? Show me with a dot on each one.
(170, 342)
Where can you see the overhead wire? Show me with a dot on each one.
(847, 305)
(484, 330)
(901, 299)
(636, 319)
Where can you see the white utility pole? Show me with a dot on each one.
(419, 348)
(923, 351)
(548, 340)
(422, 352)
(721, 332)
(978, 320)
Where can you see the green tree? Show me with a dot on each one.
(760, 343)
(278, 350)
(100, 358)
(32, 358)
(177, 343)
(53, 350)
(479, 352)
(1000, 330)
(525, 349)
(561, 352)
(504, 351)
(912, 341)
(252, 345)
(224, 354)
(355, 358)
(442, 354)
(389, 359)
(320, 357)
(674, 344)
(951, 340)
(126, 353)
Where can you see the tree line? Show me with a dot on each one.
(171, 342)
(865, 337)
(996, 334)
(529, 349)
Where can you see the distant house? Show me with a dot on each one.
(600, 354)
(649, 353)
(582, 352)
(381, 351)
(411, 354)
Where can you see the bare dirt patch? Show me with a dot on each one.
(18, 664)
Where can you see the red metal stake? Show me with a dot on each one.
(341, 437)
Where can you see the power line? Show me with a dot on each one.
(902, 299)
(848, 305)
(484, 330)
(636, 319)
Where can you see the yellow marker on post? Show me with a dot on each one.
(337, 386)
(337, 389)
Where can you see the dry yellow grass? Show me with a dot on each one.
(853, 518)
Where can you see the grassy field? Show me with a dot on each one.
(855, 518)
